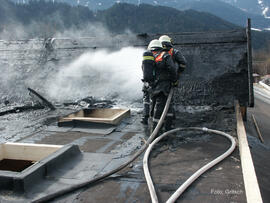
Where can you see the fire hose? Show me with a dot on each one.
(192, 178)
(149, 145)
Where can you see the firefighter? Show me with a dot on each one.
(148, 68)
(166, 76)
(180, 62)
(177, 56)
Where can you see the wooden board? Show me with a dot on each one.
(108, 116)
(25, 151)
(253, 193)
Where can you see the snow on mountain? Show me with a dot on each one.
(235, 11)
(265, 8)
(260, 7)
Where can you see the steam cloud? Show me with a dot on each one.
(101, 74)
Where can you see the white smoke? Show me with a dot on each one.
(102, 74)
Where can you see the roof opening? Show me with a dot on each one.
(15, 165)
(22, 165)
(23, 154)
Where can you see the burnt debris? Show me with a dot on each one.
(19, 109)
(44, 101)
(91, 102)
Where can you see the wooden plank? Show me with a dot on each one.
(32, 145)
(126, 113)
(88, 119)
(1, 152)
(257, 128)
(104, 113)
(253, 193)
(108, 116)
(25, 151)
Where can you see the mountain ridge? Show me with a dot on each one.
(118, 18)
(163, 19)
(233, 11)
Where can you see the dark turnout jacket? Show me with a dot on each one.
(178, 58)
(166, 72)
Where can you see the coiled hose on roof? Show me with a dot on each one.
(192, 178)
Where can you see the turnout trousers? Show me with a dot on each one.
(146, 105)
(157, 106)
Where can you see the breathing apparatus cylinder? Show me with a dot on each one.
(148, 66)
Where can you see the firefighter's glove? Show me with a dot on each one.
(146, 84)
(175, 84)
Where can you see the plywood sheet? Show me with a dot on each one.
(25, 151)
(108, 116)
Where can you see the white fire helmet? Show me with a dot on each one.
(165, 38)
(154, 44)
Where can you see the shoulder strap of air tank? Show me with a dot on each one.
(159, 58)
(171, 51)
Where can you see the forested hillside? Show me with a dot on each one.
(142, 18)
(154, 19)
(43, 14)
(45, 19)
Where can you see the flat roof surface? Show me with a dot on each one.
(171, 162)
